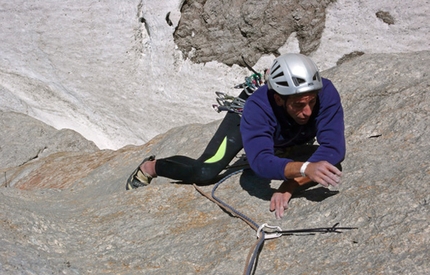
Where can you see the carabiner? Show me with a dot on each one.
(269, 235)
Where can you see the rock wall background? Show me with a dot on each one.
(121, 76)
(227, 33)
(69, 212)
(121, 72)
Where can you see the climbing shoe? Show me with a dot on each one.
(138, 178)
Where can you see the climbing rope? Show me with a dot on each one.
(264, 231)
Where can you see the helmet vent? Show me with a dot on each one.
(278, 75)
(283, 83)
(298, 81)
(316, 77)
(275, 67)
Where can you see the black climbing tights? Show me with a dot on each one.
(214, 159)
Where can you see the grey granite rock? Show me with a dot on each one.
(225, 32)
(69, 213)
(24, 139)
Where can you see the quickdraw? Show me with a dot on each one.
(228, 103)
(235, 104)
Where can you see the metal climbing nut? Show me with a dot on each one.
(269, 235)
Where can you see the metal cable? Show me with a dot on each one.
(253, 253)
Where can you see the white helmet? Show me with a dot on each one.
(294, 73)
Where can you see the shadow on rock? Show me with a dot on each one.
(316, 194)
(260, 188)
(256, 186)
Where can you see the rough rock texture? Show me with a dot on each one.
(24, 139)
(386, 17)
(111, 70)
(68, 213)
(227, 31)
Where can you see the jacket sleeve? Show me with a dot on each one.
(257, 128)
(330, 127)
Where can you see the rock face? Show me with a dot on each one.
(24, 139)
(68, 212)
(122, 72)
(225, 32)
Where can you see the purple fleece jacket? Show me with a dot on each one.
(265, 126)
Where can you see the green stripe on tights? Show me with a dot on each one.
(220, 153)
